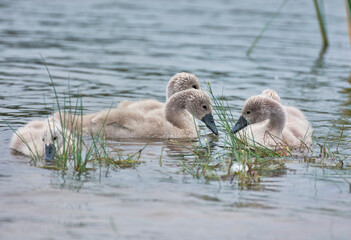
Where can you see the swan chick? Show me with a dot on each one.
(40, 138)
(133, 110)
(174, 120)
(296, 122)
(292, 112)
(267, 119)
(271, 94)
(196, 102)
(179, 82)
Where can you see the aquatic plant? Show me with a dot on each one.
(79, 153)
(348, 13)
(235, 157)
(246, 161)
(264, 29)
(319, 5)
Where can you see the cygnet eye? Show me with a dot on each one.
(248, 112)
(204, 107)
(42, 139)
(194, 86)
(54, 138)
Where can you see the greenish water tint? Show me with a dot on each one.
(114, 51)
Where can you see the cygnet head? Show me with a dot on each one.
(180, 82)
(271, 94)
(52, 136)
(257, 109)
(199, 104)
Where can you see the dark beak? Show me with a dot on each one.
(210, 123)
(49, 152)
(240, 124)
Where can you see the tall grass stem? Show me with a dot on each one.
(257, 39)
(319, 5)
(348, 13)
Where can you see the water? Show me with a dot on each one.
(113, 51)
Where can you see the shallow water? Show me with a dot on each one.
(113, 51)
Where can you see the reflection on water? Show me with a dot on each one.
(343, 123)
(347, 91)
(319, 62)
(109, 51)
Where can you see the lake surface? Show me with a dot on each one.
(117, 50)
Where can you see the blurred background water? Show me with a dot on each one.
(111, 51)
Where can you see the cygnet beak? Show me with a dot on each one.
(210, 123)
(240, 124)
(49, 152)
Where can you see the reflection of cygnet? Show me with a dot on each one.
(264, 120)
(41, 138)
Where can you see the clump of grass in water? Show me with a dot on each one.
(246, 160)
(236, 158)
(76, 154)
(249, 159)
(205, 163)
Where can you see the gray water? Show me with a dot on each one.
(116, 50)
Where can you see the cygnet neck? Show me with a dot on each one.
(170, 89)
(175, 109)
(277, 118)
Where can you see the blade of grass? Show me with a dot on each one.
(275, 15)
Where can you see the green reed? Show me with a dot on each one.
(348, 13)
(319, 5)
